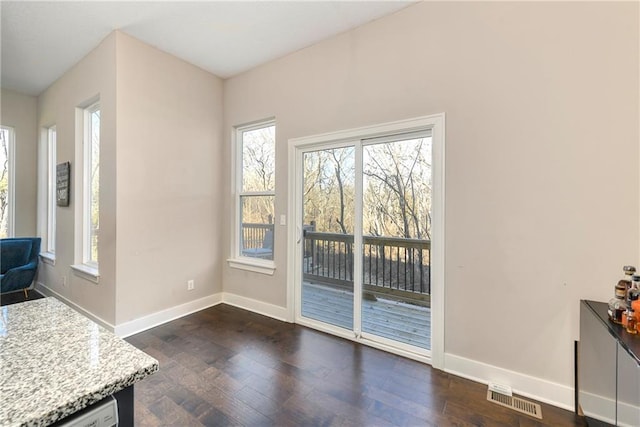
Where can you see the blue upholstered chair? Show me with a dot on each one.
(18, 263)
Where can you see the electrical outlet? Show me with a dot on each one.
(190, 285)
(64, 282)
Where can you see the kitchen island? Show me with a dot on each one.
(55, 362)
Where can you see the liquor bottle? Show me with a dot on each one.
(629, 271)
(631, 322)
(633, 295)
(618, 304)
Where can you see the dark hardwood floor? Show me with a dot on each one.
(227, 366)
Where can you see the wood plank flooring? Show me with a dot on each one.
(407, 323)
(225, 366)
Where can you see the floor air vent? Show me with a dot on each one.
(515, 403)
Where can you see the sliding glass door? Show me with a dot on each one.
(363, 238)
(328, 224)
(396, 210)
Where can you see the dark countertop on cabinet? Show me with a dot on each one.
(631, 343)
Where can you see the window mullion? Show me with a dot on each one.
(257, 193)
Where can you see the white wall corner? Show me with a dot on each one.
(259, 307)
(158, 318)
(535, 388)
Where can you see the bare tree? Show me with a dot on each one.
(338, 158)
(396, 203)
(398, 193)
(258, 157)
(4, 181)
(329, 189)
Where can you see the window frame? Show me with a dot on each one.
(11, 187)
(85, 267)
(237, 260)
(52, 149)
(48, 180)
(88, 184)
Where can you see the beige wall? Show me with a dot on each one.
(541, 163)
(159, 180)
(94, 75)
(541, 103)
(19, 112)
(169, 190)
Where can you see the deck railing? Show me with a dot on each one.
(389, 263)
(253, 234)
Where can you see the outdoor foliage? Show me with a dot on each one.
(397, 189)
(329, 190)
(95, 183)
(4, 183)
(397, 186)
(258, 175)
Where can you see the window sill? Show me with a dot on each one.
(250, 264)
(48, 258)
(86, 272)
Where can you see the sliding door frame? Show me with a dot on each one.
(434, 123)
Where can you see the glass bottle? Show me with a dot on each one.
(631, 321)
(633, 295)
(629, 271)
(618, 304)
(635, 291)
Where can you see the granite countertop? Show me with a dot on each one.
(54, 362)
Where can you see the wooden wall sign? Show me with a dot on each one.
(62, 183)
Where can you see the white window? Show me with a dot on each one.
(91, 199)
(50, 236)
(7, 182)
(255, 195)
(88, 195)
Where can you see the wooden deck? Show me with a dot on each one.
(406, 323)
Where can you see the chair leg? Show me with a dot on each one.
(26, 293)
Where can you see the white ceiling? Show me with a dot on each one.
(42, 40)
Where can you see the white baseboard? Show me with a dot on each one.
(524, 385)
(266, 309)
(158, 318)
(143, 323)
(45, 290)
(598, 407)
(628, 414)
(606, 409)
